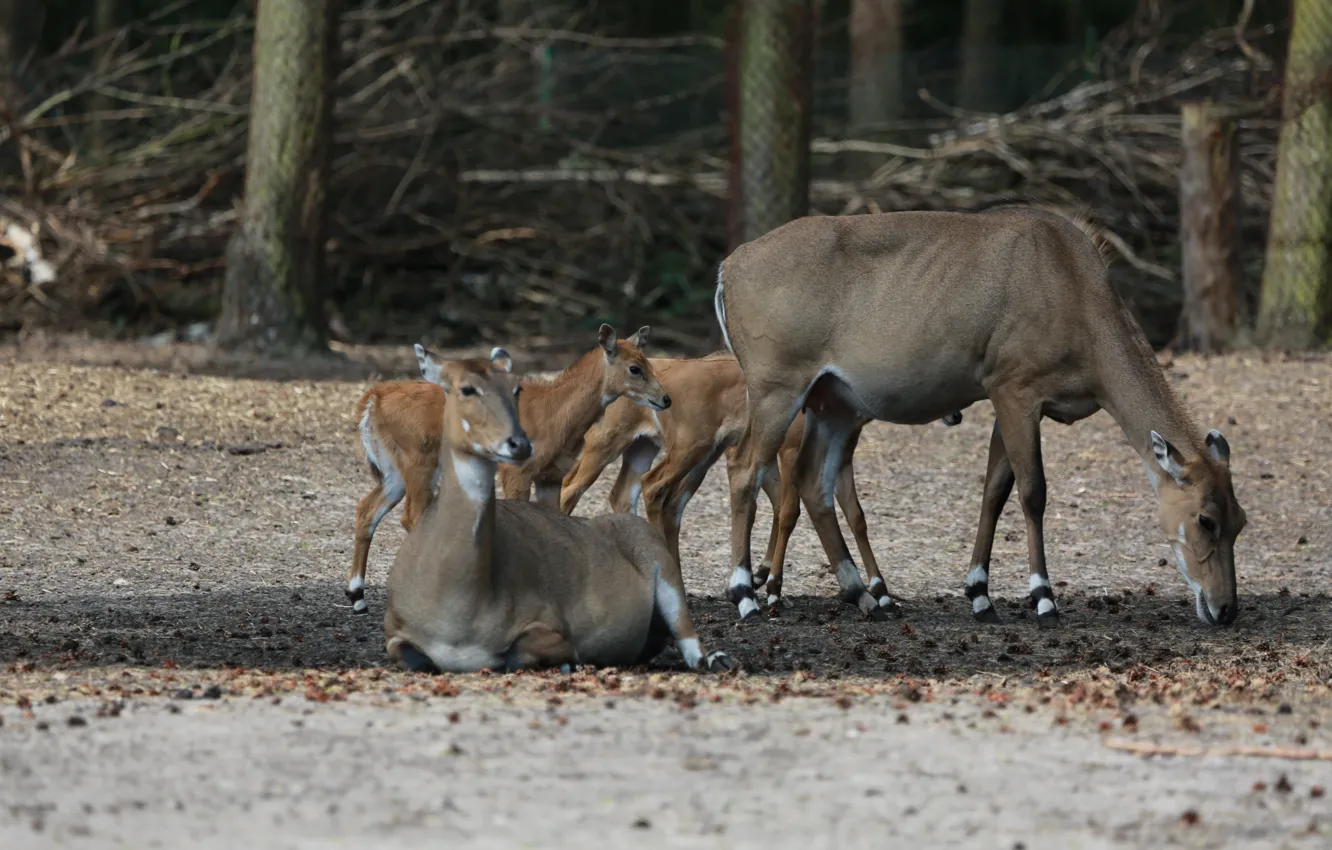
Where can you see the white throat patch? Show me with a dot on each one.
(476, 476)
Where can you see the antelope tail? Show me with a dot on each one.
(719, 305)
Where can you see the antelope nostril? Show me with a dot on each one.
(518, 445)
(1226, 614)
(665, 401)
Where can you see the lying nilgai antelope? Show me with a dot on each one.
(506, 584)
(922, 313)
(705, 420)
(400, 424)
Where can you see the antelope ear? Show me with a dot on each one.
(428, 362)
(1217, 447)
(606, 339)
(640, 337)
(500, 359)
(1168, 458)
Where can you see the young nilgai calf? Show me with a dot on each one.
(706, 417)
(400, 432)
(506, 584)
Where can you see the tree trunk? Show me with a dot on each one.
(1209, 226)
(271, 299)
(1296, 305)
(775, 43)
(976, 88)
(876, 95)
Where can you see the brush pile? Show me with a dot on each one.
(489, 180)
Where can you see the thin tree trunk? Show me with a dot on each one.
(876, 95)
(1296, 304)
(980, 35)
(1209, 226)
(271, 298)
(776, 43)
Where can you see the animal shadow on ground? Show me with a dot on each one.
(311, 626)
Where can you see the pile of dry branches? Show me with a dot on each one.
(509, 180)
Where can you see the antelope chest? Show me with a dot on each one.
(1069, 410)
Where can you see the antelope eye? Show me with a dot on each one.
(635, 370)
(1208, 524)
(468, 390)
(516, 391)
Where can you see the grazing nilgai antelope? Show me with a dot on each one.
(706, 417)
(922, 313)
(400, 424)
(486, 583)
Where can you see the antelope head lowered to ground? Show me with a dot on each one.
(923, 313)
(506, 584)
(400, 421)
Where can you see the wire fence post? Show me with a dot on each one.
(1296, 302)
(769, 87)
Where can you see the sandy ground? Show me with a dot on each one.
(180, 663)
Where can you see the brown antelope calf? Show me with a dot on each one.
(706, 418)
(481, 583)
(400, 424)
(921, 313)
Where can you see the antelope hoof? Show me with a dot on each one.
(986, 615)
(1047, 613)
(741, 593)
(869, 606)
(889, 607)
(750, 614)
(877, 588)
(876, 615)
(355, 591)
(720, 662)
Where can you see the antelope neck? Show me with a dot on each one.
(466, 510)
(568, 404)
(1135, 392)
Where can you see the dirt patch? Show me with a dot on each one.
(167, 534)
